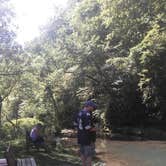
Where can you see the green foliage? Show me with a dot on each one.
(111, 51)
(152, 59)
(18, 127)
(95, 52)
(10, 51)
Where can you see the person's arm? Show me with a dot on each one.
(93, 129)
(88, 123)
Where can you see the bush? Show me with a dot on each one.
(18, 128)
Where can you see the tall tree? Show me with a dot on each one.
(9, 49)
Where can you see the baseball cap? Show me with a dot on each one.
(90, 103)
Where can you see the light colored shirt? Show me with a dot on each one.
(33, 134)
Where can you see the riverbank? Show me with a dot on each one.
(126, 133)
(134, 133)
(109, 153)
(123, 153)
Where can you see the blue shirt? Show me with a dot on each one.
(83, 123)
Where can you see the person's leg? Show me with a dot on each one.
(40, 140)
(88, 155)
(35, 143)
(40, 143)
(83, 159)
(82, 155)
(88, 161)
(93, 149)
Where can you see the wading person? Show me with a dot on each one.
(83, 122)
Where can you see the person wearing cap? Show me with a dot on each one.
(83, 122)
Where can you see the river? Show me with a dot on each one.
(131, 153)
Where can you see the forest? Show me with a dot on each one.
(110, 51)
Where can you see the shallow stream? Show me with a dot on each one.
(131, 153)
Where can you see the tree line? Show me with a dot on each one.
(110, 51)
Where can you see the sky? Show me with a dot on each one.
(32, 14)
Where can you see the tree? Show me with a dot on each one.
(9, 49)
(152, 70)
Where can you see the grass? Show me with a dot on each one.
(62, 154)
(58, 155)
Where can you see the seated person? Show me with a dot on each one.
(36, 136)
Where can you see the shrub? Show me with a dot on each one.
(18, 128)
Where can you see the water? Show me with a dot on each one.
(131, 153)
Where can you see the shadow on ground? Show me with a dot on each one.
(56, 156)
(61, 155)
(65, 154)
